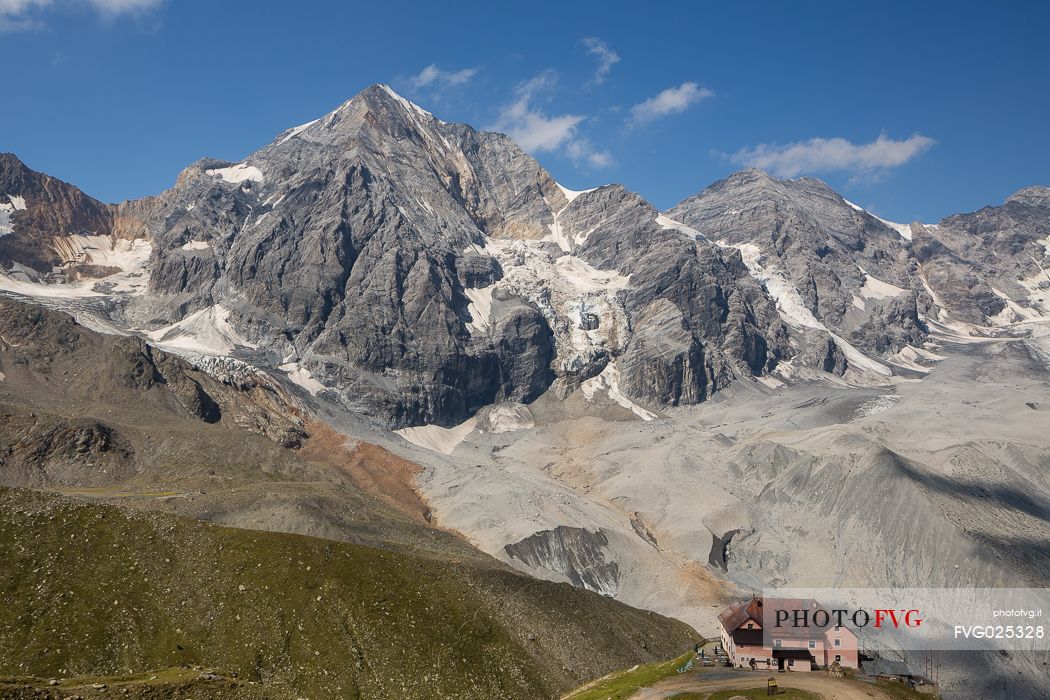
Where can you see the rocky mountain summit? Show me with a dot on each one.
(37, 215)
(417, 271)
(989, 267)
(345, 250)
(422, 270)
(872, 284)
(829, 263)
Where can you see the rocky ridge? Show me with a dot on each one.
(417, 271)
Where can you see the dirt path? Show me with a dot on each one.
(829, 688)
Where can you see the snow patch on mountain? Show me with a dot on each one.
(859, 360)
(480, 307)
(411, 106)
(794, 311)
(236, 174)
(19, 282)
(301, 376)
(609, 382)
(568, 292)
(1038, 287)
(914, 359)
(670, 224)
(436, 438)
(585, 278)
(98, 250)
(877, 289)
(14, 203)
(129, 258)
(196, 245)
(295, 131)
(789, 302)
(557, 235)
(1012, 312)
(207, 332)
(904, 230)
(506, 418)
(573, 194)
(1046, 246)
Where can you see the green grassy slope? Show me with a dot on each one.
(92, 589)
(624, 684)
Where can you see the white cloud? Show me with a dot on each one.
(528, 125)
(17, 15)
(432, 74)
(581, 151)
(835, 154)
(117, 7)
(607, 58)
(670, 101)
(17, 7)
(536, 131)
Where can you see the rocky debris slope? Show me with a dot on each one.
(935, 483)
(112, 418)
(191, 681)
(49, 360)
(135, 443)
(572, 552)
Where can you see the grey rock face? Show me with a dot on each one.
(347, 245)
(955, 282)
(47, 208)
(974, 262)
(573, 552)
(665, 360)
(889, 324)
(421, 270)
(361, 245)
(474, 270)
(697, 318)
(827, 248)
(861, 278)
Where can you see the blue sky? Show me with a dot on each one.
(913, 110)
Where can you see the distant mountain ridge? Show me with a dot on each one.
(419, 270)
